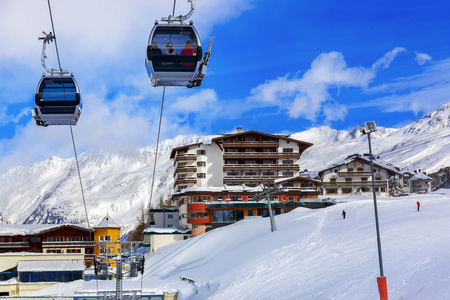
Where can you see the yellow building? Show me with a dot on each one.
(107, 239)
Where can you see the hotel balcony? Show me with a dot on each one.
(185, 169)
(14, 245)
(185, 180)
(184, 156)
(254, 167)
(68, 244)
(357, 174)
(247, 179)
(260, 155)
(251, 144)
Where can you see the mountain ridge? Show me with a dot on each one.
(119, 184)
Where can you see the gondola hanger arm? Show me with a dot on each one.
(47, 38)
(181, 18)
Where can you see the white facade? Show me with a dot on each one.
(165, 218)
(353, 176)
(158, 237)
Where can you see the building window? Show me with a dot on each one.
(288, 150)
(249, 150)
(107, 238)
(250, 139)
(332, 179)
(288, 162)
(232, 173)
(201, 175)
(250, 173)
(169, 216)
(250, 162)
(288, 173)
(268, 173)
(363, 178)
(350, 169)
(100, 238)
(201, 164)
(195, 226)
(348, 179)
(268, 162)
(201, 152)
(360, 169)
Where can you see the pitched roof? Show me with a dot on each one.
(31, 229)
(377, 162)
(107, 222)
(420, 176)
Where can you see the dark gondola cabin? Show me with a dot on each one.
(57, 100)
(174, 55)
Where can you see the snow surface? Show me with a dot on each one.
(314, 254)
(50, 265)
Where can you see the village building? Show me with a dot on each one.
(421, 183)
(221, 181)
(353, 176)
(48, 238)
(107, 239)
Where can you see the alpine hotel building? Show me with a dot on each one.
(219, 182)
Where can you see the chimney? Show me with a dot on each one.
(239, 129)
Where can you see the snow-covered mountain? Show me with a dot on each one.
(117, 184)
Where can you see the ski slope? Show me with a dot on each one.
(314, 254)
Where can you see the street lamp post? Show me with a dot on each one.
(382, 286)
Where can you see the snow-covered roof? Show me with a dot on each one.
(280, 180)
(107, 222)
(50, 265)
(376, 161)
(166, 230)
(225, 189)
(421, 176)
(30, 229)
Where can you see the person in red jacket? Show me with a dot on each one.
(418, 205)
(188, 50)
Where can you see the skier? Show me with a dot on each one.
(343, 214)
(418, 205)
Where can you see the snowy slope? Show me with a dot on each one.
(119, 184)
(314, 254)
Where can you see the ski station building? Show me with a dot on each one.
(222, 181)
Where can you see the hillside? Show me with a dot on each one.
(118, 184)
(314, 254)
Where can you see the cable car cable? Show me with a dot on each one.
(71, 132)
(174, 3)
(156, 158)
(188, 246)
(54, 34)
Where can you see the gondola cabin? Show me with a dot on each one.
(174, 55)
(57, 100)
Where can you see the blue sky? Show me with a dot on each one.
(276, 66)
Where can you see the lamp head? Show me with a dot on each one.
(370, 126)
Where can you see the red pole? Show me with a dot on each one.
(382, 288)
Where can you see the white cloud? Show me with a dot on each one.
(422, 58)
(418, 93)
(308, 97)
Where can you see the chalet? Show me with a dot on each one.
(421, 183)
(353, 176)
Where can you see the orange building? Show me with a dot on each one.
(107, 239)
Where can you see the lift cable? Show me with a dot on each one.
(54, 34)
(156, 159)
(156, 151)
(71, 132)
(174, 3)
(184, 245)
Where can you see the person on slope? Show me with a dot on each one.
(418, 205)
